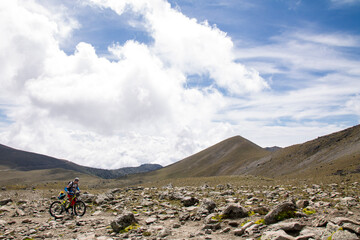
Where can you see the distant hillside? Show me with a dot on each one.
(26, 161)
(223, 158)
(337, 153)
(334, 154)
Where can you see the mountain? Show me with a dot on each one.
(223, 158)
(26, 161)
(334, 154)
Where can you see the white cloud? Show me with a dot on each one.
(123, 112)
(192, 47)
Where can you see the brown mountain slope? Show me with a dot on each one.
(337, 153)
(334, 154)
(223, 158)
(14, 159)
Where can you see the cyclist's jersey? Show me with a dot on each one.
(72, 187)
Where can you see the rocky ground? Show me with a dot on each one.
(328, 211)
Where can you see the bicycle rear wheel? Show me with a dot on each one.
(56, 209)
(79, 208)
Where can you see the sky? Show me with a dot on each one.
(110, 83)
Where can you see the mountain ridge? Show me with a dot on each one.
(325, 156)
(28, 161)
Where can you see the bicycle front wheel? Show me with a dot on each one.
(56, 209)
(79, 208)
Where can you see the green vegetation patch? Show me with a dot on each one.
(308, 211)
(133, 226)
(285, 215)
(260, 221)
(251, 213)
(218, 217)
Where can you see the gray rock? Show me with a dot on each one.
(212, 226)
(103, 198)
(280, 212)
(340, 220)
(352, 227)
(88, 198)
(320, 222)
(207, 206)
(341, 235)
(5, 201)
(2, 223)
(288, 226)
(170, 195)
(123, 221)
(150, 220)
(261, 210)
(240, 231)
(234, 211)
(164, 232)
(189, 201)
(302, 203)
(212, 218)
(276, 235)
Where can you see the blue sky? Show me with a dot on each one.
(131, 82)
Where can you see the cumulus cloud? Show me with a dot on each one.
(190, 46)
(132, 109)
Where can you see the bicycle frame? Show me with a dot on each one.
(63, 203)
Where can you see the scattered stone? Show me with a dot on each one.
(234, 211)
(150, 220)
(189, 201)
(320, 222)
(240, 231)
(261, 210)
(233, 224)
(288, 226)
(207, 206)
(352, 227)
(276, 235)
(302, 204)
(164, 232)
(341, 220)
(280, 212)
(5, 201)
(343, 234)
(123, 221)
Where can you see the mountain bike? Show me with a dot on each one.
(57, 208)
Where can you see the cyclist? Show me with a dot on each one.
(71, 189)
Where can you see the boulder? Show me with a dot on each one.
(352, 227)
(124, 220)
(343, 234)
(302, 203)
(207, 206)
(88, 198)
(240, 231)
(5, 201)
(288, 226)
(280, 212)
(189, 201)
(234, 211)
(276, 235)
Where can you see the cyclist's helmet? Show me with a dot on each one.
(76, 179)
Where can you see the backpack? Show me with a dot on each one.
(70, 185)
